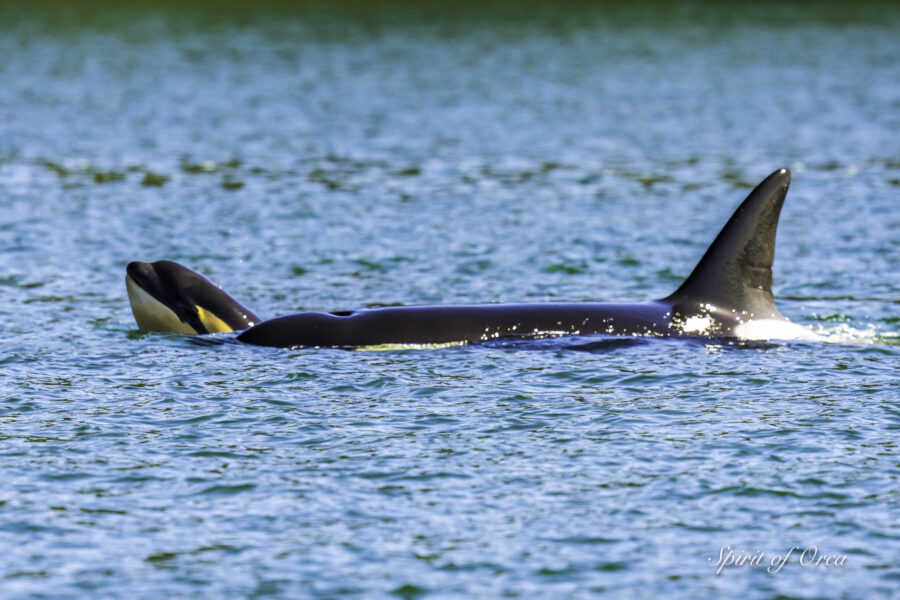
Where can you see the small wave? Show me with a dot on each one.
(847, 333)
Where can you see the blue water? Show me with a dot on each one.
(331, 158)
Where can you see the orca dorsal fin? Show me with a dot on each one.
(736, 271)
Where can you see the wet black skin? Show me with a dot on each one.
(466, 323)
(182, 290)
(731, 284)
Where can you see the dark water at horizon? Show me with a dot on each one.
(326, 158)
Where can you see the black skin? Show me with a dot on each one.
(468, 323)
(182, 290)
(730, 284)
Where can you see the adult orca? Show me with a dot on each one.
(728, 295)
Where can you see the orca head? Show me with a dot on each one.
(166, 296)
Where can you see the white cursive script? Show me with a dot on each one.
(806, 557)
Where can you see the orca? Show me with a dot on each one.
(166, 296)
(728, 295)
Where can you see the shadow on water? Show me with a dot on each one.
(593, 344)
(211, 340)
(577, 343)
(596, 344)
(604, 344)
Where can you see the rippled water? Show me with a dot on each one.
(335, 158)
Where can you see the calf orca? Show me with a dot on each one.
(728, 295)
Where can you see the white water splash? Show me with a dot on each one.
(845, 333)
(774, 329)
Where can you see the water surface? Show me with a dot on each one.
(331, 158)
